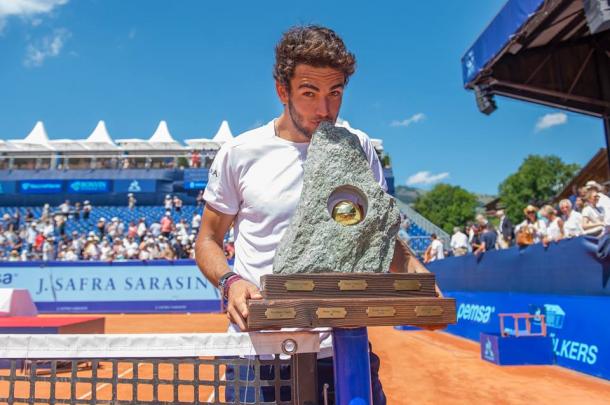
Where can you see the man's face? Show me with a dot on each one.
(314, 96)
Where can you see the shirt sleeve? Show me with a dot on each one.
(222, 192)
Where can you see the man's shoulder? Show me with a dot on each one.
(252, 137)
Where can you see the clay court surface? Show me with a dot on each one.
(416, 368)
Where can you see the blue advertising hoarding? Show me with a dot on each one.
(195, 185)
(135, 186)
(118, 287)
(40, 186)
(88, 186)
(7, 187)
(577, 325)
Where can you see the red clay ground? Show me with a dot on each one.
(423, 367)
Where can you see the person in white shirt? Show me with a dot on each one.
(436, 249)
(572, 220)
(532, 226)
(459, 242)
(603, 202)
(256, 179)
(554, 230)
(592, 215)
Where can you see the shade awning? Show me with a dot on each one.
(542, 51)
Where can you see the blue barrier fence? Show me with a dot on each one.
(565, 281)
(95, 287)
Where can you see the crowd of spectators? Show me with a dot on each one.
(585, 213)
(108, 239)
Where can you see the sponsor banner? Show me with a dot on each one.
(195, 175)
(114, 288)
(88, 186)
(576, 324)
(195, 185)
(135, 186)
(7, 187)
(40, 186)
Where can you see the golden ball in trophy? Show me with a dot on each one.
(347, 213)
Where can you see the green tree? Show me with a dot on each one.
(447, 206)
(538, 179)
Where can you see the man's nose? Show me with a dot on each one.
(322, 108)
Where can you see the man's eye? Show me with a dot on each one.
(308, 94)
(335, 93)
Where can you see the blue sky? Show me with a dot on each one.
(71, 63)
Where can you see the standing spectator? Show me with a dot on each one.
(572, 220)
(77, 211)
(177, 204)
(48, 249)
(131, 201)
(142, 228)
(168, 203)
(86, 210)
(196, 221)
(459, 242)
(132, 230)
(101, 227)
(166, 225)
(64, 208)
(506, 230)
(195, 159)
(29, 215)
(435, 249)
(155, 229)
(200, 200)
(402, 232)
(488, 238)
(531, 230)
(554, 231)
(592, 215)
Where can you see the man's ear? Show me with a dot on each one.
(282, 92)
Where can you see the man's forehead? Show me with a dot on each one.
(325, 75)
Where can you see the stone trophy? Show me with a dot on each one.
(331, 268)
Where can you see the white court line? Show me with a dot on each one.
(211, 397)
(123, 374)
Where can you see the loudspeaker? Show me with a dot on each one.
(598, 15)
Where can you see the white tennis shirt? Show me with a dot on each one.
(258, 177)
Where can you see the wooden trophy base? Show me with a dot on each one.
(349, 300)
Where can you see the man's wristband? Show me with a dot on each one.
(227, 287)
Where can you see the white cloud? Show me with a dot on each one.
(50, 46)
(551, 120)
(414, 119)
(426, 177)
(26, 8)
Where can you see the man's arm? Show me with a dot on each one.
(212, 262)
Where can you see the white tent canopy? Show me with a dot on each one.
(162, 138)
(100, 139)
(37, 140)
(224, 133)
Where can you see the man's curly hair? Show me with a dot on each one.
(312, 45)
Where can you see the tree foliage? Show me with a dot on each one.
(447, 206)
(538, 179)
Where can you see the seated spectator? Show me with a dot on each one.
(554, 230)
(531, 230)
(592, 215)
(603, 200)
(77, 210)
(488, 239)
(177, 204)
(459, 242)
(86, 210)
(572, 220)
(435, 250)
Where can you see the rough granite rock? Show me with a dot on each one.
(314, 242)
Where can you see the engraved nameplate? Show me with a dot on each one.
(380, 312)
(280, 313)
(352, 285)
(299, 285)
(331, 313)
(428, 310)
(407, 285)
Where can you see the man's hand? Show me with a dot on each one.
(237, 308)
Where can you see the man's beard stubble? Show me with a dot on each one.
(297, 121)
